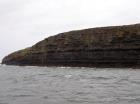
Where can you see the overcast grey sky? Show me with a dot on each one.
(25, 22)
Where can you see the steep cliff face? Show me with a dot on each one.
(117, 46)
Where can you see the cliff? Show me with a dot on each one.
(116, 46)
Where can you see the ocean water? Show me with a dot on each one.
(60, 85)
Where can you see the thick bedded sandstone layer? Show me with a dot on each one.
(117, 46)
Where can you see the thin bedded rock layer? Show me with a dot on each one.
(116, 46)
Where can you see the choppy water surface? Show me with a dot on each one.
(55, 85)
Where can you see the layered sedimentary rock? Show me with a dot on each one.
(116, 46)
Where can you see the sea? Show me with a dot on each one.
(68, 85)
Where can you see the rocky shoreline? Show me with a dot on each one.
(116, 46)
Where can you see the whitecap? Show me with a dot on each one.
(68, 76)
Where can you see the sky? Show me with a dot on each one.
(26, 22)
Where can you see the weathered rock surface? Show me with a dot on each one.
(116, 46)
